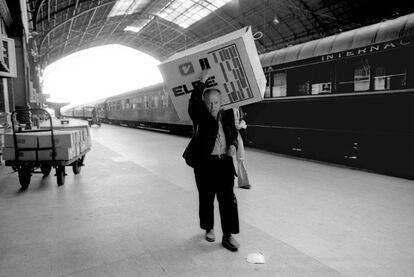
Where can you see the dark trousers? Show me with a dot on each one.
(216, 177)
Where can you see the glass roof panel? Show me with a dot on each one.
(186, 12)
(132, 29)
(138, 25)
(124, 7)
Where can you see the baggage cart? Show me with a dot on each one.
(26, 168)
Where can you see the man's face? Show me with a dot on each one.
(213, 103)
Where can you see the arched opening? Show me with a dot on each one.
(99, 72)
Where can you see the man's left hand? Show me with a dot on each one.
(232, 150)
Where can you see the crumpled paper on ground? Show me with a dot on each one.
(256, 258)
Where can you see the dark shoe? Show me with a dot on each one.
(210, 236)
(230, 243)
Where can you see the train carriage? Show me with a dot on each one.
(347, 98)
(148, 107)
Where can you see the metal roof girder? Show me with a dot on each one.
(68, 34)
(87, 27)
(73, 17)
(60, 44)
(71, 24)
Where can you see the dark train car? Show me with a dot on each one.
(147, 107)
(347, 99)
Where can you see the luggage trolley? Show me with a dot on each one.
(25, 168)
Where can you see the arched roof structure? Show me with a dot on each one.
(158, 27)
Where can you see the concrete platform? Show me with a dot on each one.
(133, 212)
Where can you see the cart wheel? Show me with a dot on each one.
(45, 169)
(25, 175)
(60, 175)
(76, 166)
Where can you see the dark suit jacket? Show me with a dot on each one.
(206, 126)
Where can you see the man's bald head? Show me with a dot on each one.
(212, 100)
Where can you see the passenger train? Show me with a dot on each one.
(347, 98)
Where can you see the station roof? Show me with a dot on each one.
(162, 28)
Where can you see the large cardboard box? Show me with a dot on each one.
(24, 140)
(62, 139)
(83, 129)
(62, 154)
(77, 149)
(24, 155)
(235, 70)
(84, 146)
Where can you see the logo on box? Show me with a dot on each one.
(186, 69)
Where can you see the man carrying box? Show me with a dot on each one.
(215, 142)
(235, 78)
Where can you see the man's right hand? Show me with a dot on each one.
(204, 75)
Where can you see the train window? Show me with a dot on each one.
(390, 72)
(163, 102)
(156, 101)
(139, 102)
(268, 86)
(162, 96)
(164, 99)
(361, 76)
(353, 75)
(321, 78)
(306, 80)
(299, 81)
(279, 84)
(134, 103)
(322, 88)
(146, 102)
